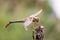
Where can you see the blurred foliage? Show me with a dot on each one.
(19, 9)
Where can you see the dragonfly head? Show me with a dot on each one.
(35, 19)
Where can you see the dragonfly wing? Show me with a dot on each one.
(27, 23)
(30, 19)
(36, 13)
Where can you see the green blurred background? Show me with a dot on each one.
(19, 9)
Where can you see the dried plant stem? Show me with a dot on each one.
(38, 33)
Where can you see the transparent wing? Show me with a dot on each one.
(36, 14)
(29, 20)
(27, 23)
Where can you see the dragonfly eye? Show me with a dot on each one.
(35, 20)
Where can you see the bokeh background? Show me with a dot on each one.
(19, 9)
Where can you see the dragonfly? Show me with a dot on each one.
(27, 21)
